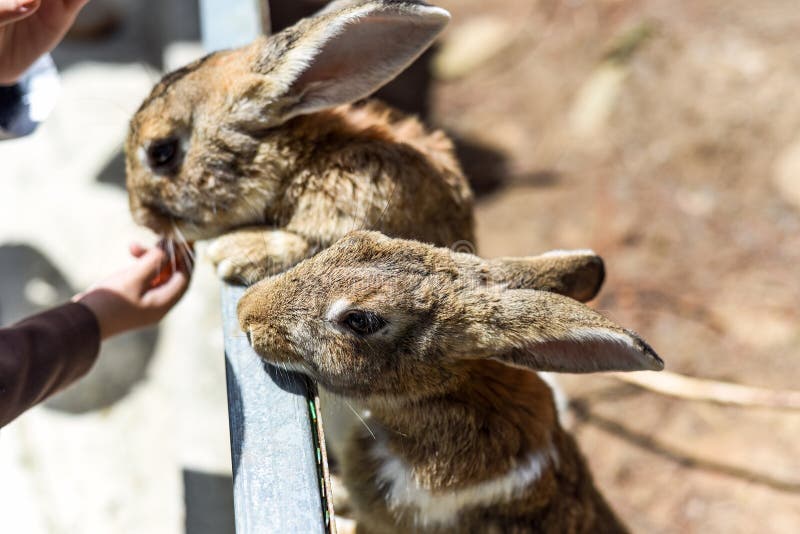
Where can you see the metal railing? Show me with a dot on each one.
(276, 446)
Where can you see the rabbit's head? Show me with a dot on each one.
(206, 150)
(388, 318)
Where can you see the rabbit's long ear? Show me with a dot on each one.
(578, 274)
(347, 51)
(550, 332)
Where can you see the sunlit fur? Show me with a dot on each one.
(270, 138)
(460, 435)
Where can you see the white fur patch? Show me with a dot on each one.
(444, 508)
(344, 525)
(226, 269)
(215, 249)
(337, 309)
(141, 155)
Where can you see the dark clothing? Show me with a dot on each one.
(44, 353)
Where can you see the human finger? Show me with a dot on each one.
(165, 296)
(147, 267)
(16, 10)
(136, 250)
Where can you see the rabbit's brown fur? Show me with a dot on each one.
(459, 438)
(498, 417)
(266, 136)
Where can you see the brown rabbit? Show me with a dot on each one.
(438, 347)
(264, 141)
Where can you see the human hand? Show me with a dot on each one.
(138, 296)
(30, 28)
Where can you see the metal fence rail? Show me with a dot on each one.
(276, 485)
(232, 23)
(276, 478)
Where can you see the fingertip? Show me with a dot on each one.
(136, 250)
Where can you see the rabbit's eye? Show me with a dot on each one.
(363, 323)
(163, 155)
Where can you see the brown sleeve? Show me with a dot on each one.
(44, 353)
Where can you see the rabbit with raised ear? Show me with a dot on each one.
(438, 347)
(264, 142)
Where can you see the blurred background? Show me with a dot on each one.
(663, 134)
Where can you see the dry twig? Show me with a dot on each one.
(685, 387)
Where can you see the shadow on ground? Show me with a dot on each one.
(209, 503)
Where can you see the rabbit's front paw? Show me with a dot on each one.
(246, 256)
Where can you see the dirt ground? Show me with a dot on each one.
(666, 136)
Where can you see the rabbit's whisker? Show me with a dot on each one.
(171, 250)
(363, 422)
(186, 259)
(183, 241)
(386, 207)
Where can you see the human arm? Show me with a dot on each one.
(43, 354)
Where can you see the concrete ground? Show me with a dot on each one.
(141, 445)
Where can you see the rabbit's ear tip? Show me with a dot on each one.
(651, 360)
(646, 359)
(621, 350)
(653, 363)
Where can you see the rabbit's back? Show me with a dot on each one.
(371, 167)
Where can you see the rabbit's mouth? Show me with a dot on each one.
(164, 212)
(164, 221)
(282, 362)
